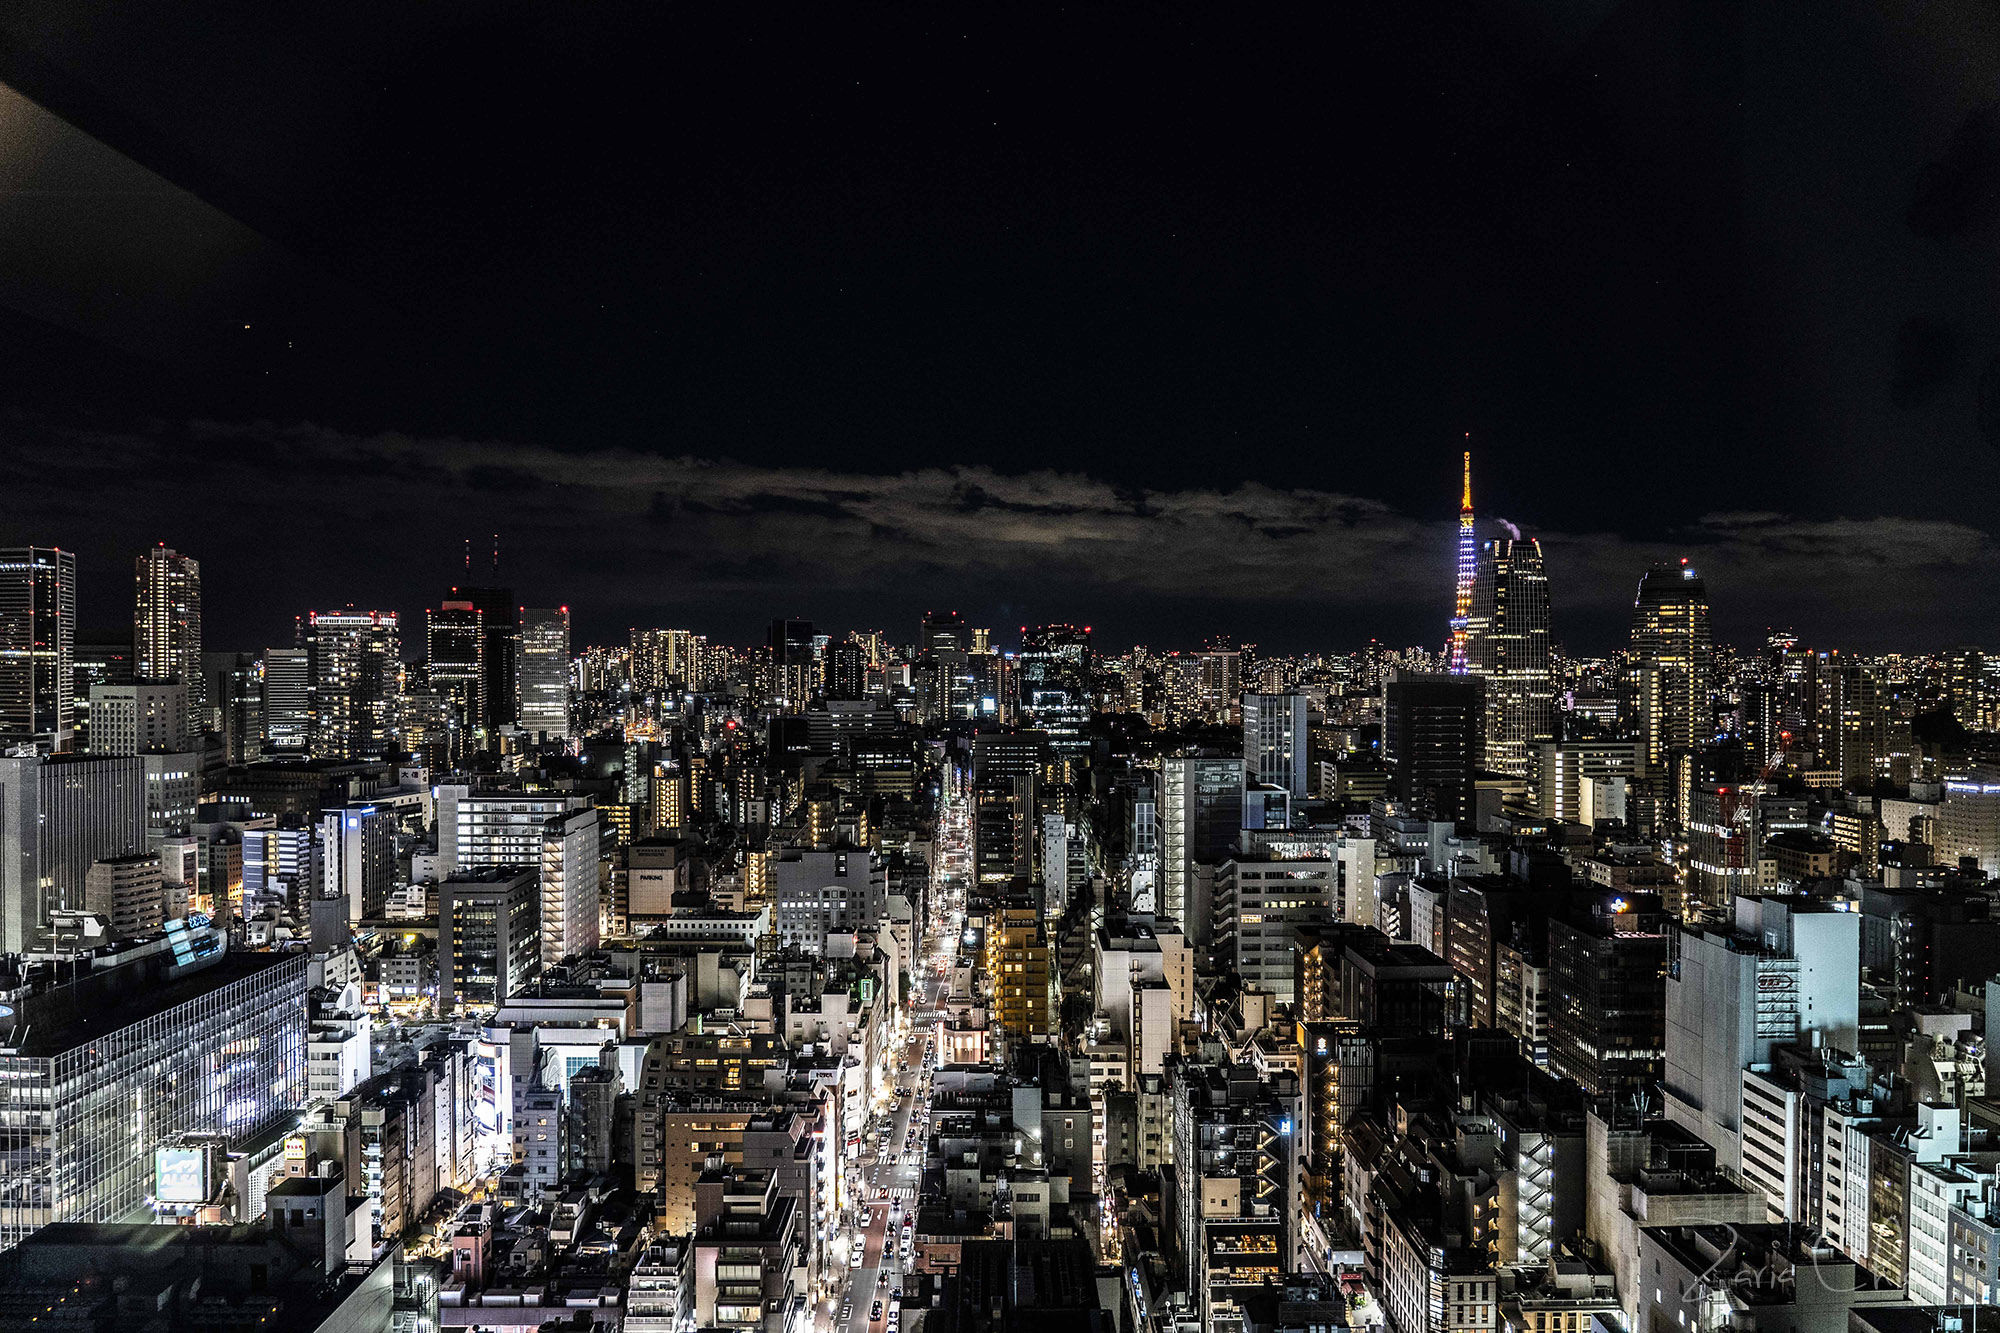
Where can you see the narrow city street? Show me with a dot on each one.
(891, 1168)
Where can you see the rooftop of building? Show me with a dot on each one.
(1760, 1264)
(73, 1014)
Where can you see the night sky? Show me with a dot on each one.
(1171, 321)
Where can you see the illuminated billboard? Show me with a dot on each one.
(180, 1175)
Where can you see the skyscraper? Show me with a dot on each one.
(1274, 741)
(499, 621)
(943, 630)
(37, 643)
(455, 664)
(1507, 642)
(1200, 817)
(1431, 739)
(1672, 661)
(286, 701)
(542, 675)
(354, 661)
(166, 625)
(1468, 569)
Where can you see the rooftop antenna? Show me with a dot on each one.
(496, 555)
(468, 555)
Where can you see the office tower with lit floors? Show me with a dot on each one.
(1508, 646)
(166, 625)
(1671, 663)
(284, 701)
(37, 644)
(455, 668)
(1275, 745)
(542, 674)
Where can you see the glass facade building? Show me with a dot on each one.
(98, 1072)
(101, 1071)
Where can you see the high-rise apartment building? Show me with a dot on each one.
(1672, 663)
(542, 674)
(1850, 719)
(1508, 644)
(166, 624)
(37, 644)
(569, 885)
(1221, 683)
(353, 673)
(666, 660)
(1275, 748)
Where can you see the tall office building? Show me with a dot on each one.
(1432, 739)
(500, 623)
(846, 671)
(489, 936)
(285, 701)
(1054, 682)
(99, 659)
(1789, 972)
(1468, 573)
(353, 672)
(58, 816)
(455, 660)
(542, 674)
(1672, 663)
(943, 631)
(37, 644)
(145, 716)
(1200, 818)
(235, 690)
(1275, 749)
(166, 625)
(1607, 1012)
(1507, 643)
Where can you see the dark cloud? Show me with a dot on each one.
(630, 536)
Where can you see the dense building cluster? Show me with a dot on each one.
(954, 979)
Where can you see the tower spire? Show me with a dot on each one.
(1468, 570)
